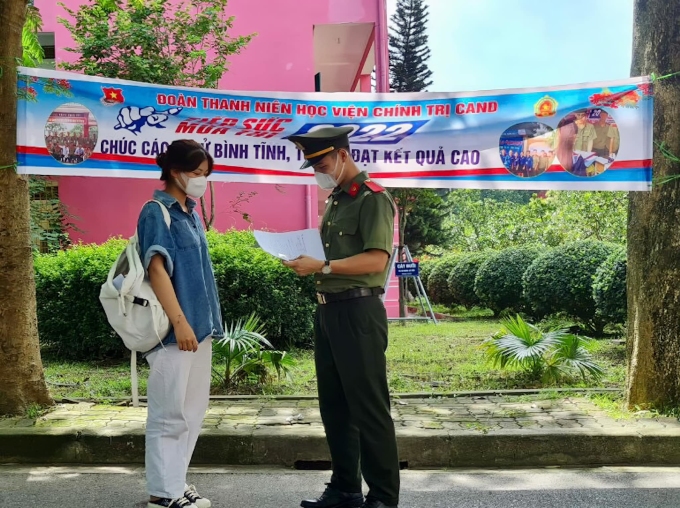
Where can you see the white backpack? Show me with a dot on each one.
(131, 306)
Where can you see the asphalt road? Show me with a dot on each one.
(113, 487)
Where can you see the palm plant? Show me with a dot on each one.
(243, 354)
(542, 355)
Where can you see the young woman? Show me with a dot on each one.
(181, 274)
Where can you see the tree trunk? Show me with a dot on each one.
(209, 220)
(22, 381)
(654, 222)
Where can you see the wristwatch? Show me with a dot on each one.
(326, 268)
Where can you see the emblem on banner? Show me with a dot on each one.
(545, 107)
(133, 118)
(112, 96)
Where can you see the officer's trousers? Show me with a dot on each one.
(350, 344)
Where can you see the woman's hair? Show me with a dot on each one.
(184, 155)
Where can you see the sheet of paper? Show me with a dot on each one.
(292, 244)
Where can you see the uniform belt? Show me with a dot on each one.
(324, 298)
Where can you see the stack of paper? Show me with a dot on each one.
(292, 245)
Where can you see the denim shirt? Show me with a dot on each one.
(185, 251)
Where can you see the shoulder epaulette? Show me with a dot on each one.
(375, 187)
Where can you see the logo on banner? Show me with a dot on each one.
(133, 118)
(546, 107)
(112, 96)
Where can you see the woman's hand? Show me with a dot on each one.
(186, 338)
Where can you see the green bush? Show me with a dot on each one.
(547, 356)
(437, 281)
(425, 268)
(461, 279)
(498, 284)
(73, 325)
(251, 281)
(562, 279)
(609, 288)
(71, 321)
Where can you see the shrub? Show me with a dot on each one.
(461, 279)
(498, 284)
(542, 355)
(425, 266)
(437, 281)
(251, 281)
(245, 355)
(609, 288)
(561, 280)
(71, 322)
(73, 325)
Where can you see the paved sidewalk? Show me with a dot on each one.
(475, 431)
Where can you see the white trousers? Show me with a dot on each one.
(178, 392)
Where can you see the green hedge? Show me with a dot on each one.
(461, 279)
(561, 280)
(425, 268)
(498, 284)
(73, 325)
(609, 288)
(438, 280)
(71, 321)
(250, 280)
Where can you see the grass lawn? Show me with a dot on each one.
(421, 358)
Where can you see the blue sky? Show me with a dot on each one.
(495, 44)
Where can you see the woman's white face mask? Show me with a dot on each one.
(194, 187)
(327, 181)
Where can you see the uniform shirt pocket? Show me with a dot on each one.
(345, 240)
(185, 236)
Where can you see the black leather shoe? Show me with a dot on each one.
(374, 503)
(333, 498)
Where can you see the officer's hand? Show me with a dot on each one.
(305, 265)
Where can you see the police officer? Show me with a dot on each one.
(350, 326)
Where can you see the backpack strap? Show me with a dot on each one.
(166, 214)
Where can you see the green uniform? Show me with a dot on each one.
(585, 135)
(601, 143)
(614, 134)
(351, 337)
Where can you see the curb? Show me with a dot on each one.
(395, 396)
(418, 449)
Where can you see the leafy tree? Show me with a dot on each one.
(48, 215)
(478, 223)
(22, 380)
(33, 53)
(162, 42)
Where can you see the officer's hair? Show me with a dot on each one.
(184, 155)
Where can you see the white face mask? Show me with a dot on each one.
(327, 182)
(194, 187)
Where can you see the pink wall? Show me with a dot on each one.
(280, 57)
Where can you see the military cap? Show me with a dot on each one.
(319, 143)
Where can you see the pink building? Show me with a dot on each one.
(301, 46)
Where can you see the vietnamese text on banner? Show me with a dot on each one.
(593, 136)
